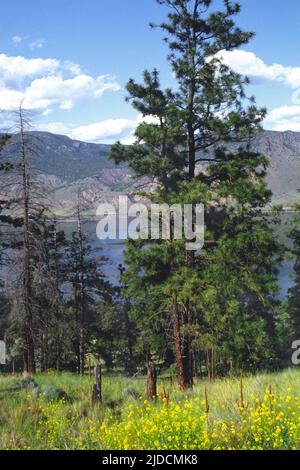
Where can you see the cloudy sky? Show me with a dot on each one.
(70, 60)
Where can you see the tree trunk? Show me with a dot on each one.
(58, 348)
(151, 392)
(177, 342)
(208, 365)
(81, 332)
(186, 349)
(212, 364)
(97, 387)
(188, 359)
(200, 366)
(130, 340)
(58, 309)
(29, 353)
(81, 352)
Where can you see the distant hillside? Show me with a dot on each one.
(68, 167)
(283, 151)
(63, 157)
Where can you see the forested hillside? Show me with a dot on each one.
(67, 167)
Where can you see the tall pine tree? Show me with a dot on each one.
(293, 301)
(194, 144)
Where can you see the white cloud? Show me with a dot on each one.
(107, 131)
(47, 112)
(284, 118)
(111, 130)
(247, 63)
(39, 44)
(73, 68)
(32, 44)
(55, 128)
(44, 84)
(16, 40)
(64, 93)
(9, 99)
(296, 97)
(18, 67)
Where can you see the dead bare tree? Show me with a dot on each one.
(29, 353)
(26, 200)
(81, 333)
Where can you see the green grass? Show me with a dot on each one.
(30, 422)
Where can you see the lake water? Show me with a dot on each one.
(110, 249)
(113, 251)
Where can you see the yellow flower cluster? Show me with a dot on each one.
(56, 426)
(269, 424)
(168, 425)
(272, 422)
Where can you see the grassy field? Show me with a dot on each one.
(262, 414)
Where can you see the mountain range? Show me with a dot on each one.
(69, 168)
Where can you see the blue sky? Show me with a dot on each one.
(72, 58)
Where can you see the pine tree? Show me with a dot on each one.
(88, 287)
(293, 301)
(27, 202)
(4, 303)
(195, 144)
(48, 298)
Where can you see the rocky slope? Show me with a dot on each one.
(283, 151)
(66, 168)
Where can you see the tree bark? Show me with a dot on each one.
(208, 365)
(188, 359)
(151, 392)
(177, 343)
(81, 332)
(58, 309)
(186, 348)
(97, 387)
(29, 352)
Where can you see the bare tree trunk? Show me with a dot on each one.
(58, 309)
(186, 349)
(212, 364)
(77, 326)
(200, 365)
(81, 338)
(216, 364)
(58, 351)
(151, 391)
(177, 342)
(47, 344)
(81, 352)
(190, 374)
(208, 365)
(29, 353)
(130, 343)
(97, 387)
